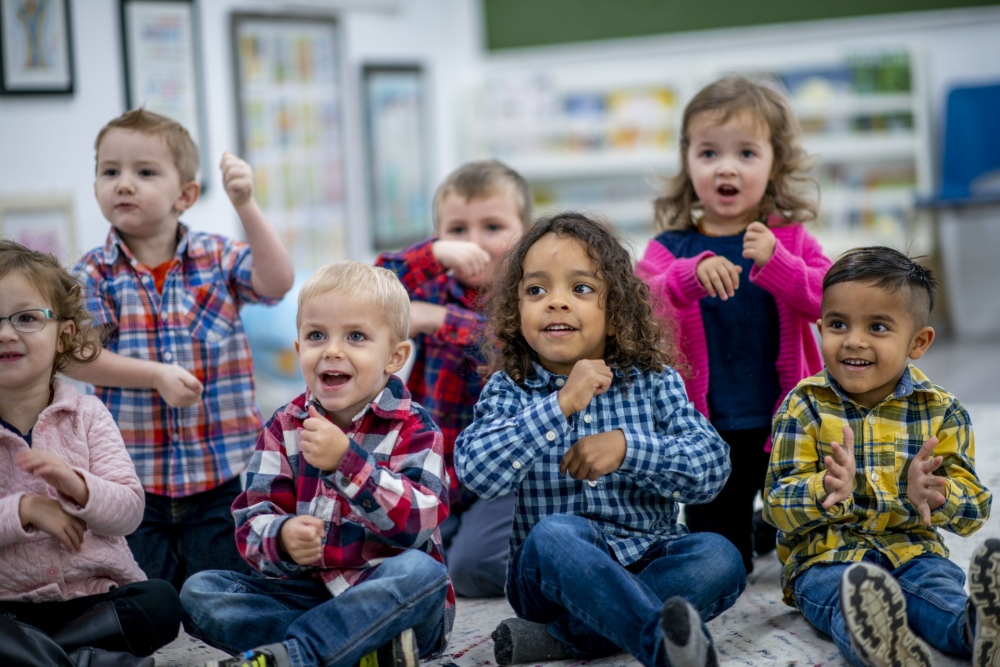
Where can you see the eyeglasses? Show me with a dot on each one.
(30, 321)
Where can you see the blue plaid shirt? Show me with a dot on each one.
(520, 434)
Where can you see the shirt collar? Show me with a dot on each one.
(542, 377)
(392, 403)
(911, 381)
(193, 246)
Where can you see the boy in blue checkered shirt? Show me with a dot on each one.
(594, 431)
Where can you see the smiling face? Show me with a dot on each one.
(729, 164)
(868, 334)
(562, 316)
(492, 223)
(346, 353)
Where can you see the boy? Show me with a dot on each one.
(480, 210)
(858, 523)
(347, 533)
(176, 372)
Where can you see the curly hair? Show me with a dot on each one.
(640, 341)
(786, 195)
(64, 293)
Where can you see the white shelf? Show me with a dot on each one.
(857, 147)
(854, 105)
(627, 214)
(837, 242)
(568, 165)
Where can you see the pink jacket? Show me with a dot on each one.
(36, 567)
(793, 275)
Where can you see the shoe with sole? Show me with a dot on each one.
(400, 652)
(272, 655)
(984, 591)
(684, 641)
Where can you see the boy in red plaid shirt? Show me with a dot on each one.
(480, 210)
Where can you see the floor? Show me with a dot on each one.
(759, 629)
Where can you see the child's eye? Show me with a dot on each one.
(494, 227)
(535, 290)
(315, 335)
(707, 153)
(878, 327)
(455, 231)
(109, 172)
(747, 153)
(28, 317)
(836, 324)
(356, 337)
(146, 173)
(583, 288)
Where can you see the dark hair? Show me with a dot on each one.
(478, 180)
(639, 341)
(888, 269)
(55, 283)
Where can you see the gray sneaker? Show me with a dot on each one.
(984, 591)
(875, 614)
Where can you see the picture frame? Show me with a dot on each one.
(36, 47)
(42, 222)
(396, 151)
(162, 56)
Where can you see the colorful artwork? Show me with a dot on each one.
(44, 224)
(35, 47)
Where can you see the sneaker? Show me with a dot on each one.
(272, 655)
(400, 652)
(684, 640)
(984, 591)
(875, 614)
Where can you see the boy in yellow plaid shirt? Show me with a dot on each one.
(869, 461)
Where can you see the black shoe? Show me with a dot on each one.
(400, 652)
(984, 592)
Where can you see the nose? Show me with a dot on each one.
(557, 301)
(125, 184)
(854, 339)
(7, 330)
(726, 167)
(476, 236)
(333, 349)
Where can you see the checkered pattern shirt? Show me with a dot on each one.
(520, 435)
(195, 322)
(886, 438)
(389, 493)
(444, 379)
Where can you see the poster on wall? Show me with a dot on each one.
(399, 193)
(42, 223)
(289, 101)
(36, 47)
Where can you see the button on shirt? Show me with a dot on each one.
(672, 455)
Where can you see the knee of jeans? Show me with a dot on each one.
(725, 564)
(560, 529)
(420, 567)
(204, 584)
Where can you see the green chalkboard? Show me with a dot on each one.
(511, 24)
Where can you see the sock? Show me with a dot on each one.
(516, 641)
(685, 643)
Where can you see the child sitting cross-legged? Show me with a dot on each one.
(345, 494)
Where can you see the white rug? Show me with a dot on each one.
(758, 630)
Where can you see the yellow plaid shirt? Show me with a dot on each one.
(886, 439)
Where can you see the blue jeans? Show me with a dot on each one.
(235, 612)
(934, 589)
(477, 542)
(564, 575)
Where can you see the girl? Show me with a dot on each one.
(585, 420)
(69, 490)
(741, 280)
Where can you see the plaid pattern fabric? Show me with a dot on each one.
(445, 378)
(520, 435)
(195, 323)
(886, 438)
(388, 494)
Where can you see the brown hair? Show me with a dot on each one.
(477, 180)
(785, 195)
(65, 294)
(182, 148)
(639, 342)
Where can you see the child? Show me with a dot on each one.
(746, 343)
(70, 493)
(595, 433)
(855, 517)
(347, 533)
(177, 374)
(480, 210)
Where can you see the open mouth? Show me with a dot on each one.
(559, 328)
(10, 356)
(859, 363)
(728, 190)
(333, 379)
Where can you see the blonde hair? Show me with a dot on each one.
(477, 180)
(181, 146)
(371, 285)
(785, 195)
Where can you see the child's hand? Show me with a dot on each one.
(840, 469)
(301, 537)
(178, 387)
(758, 243)
(464, 258)
(923, 488)
(322, 442)
(426, 318)
(594, 456)
(589, 378)
(237, 178)
(48, 516)
(56, 473)
(719, 276)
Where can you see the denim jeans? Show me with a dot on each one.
(934, 589)
(235, 612)
(564, 575)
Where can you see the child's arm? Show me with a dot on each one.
(795, 279)
(677, 279)
(176, 385)
(273, 274)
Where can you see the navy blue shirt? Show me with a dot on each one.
(742, 338)
(13, 429)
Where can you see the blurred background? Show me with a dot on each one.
(351, 111)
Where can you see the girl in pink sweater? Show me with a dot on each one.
(70, 593)
(740, 279)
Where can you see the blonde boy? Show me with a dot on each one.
(344, 497)
(176, 372)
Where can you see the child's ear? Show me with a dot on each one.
(65, 339)
(189, 195)
(398, 357)
(921, 341)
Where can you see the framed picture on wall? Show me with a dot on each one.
(163, 65)
(36, 47)
(397, 154)
(290, 117)
(41, 222)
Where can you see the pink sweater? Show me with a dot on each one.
(35, 566)
(793, 275)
